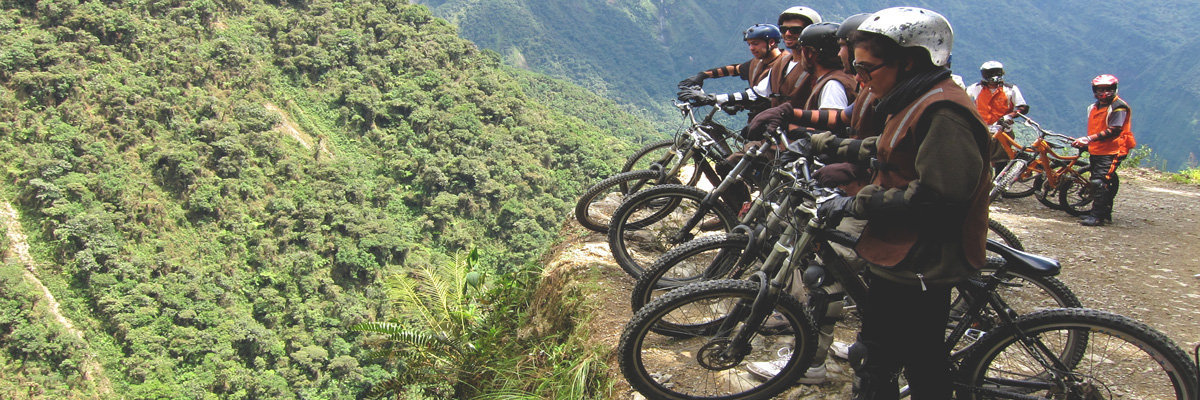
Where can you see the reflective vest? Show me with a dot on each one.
(795, 84)
(759, 68)
(993, 104)
(847, 81)
(863, 122)
(1098, 125)
(887, 243)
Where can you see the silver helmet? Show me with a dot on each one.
(914, 27)
(800, 11)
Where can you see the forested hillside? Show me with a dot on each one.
(637, 50)
(216, 190)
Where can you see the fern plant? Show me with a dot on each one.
(431, 339)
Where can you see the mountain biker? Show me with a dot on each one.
(763, 42)
(784, 82)
(926, 206)
(993, 97)
(1109, 139)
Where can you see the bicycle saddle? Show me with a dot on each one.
(1023, 262)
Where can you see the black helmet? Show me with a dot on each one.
(851, 24)
(762, 31)
(821, 36)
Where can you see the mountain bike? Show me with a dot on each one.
(1052, 173)
(1018, 157)
(652, 221)
(708, 331)
(681, 160)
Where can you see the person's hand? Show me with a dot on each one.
(769, 120)
(834, 175)
(833, 210)
(821, 142)
(697, 97)
(1082, 142)
(693, 82)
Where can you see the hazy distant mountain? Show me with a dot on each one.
(636, 50)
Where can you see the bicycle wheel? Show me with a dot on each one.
(692, 364)
(661, 152)
(1023, 293)
(1006, 177)
(706, 258)
(998, 231)
(650, 223)
(1076, 194)
(599, 201)
(648, 154)
(1123, 359)
(1024, 185)
(1047, 194)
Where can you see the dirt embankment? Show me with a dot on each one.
(1146, 265)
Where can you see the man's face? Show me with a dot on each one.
(759, 48)
(791, 31)
(847, 55)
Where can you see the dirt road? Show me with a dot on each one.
(1145, 265)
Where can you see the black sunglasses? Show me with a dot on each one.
(792, 29)
(864, 71)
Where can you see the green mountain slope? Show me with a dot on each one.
(214, 189)
(636, 50)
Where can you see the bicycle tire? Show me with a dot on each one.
(590, 209)
(686, 365)
(1024, 185)
(658, 152)
(1024, 294)
(645, 226)
(1077, 195)
(1048, 195)
(1007, 236)
(1138, 361)
(705, 258)
(1012, 170)
(642, 158)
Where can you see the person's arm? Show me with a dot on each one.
(1018, 100)
(948, 164)
(842, 149)
(760, 91)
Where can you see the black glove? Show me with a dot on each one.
(833, 210)
(768, 120)
(693, 82)
(697, 97)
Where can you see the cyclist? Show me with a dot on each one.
(1109, 139)
(926, 206)
(993, 97)
(763, 42)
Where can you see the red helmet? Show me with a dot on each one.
(1104, 88)
(1105, 80)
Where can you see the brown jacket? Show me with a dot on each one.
(936, 134)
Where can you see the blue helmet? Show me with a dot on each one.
(762, 31)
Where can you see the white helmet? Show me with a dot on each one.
(914, 27)
(992, 72)
(800, 11)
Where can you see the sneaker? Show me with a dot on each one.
(840, 350)
(814, 376)
(768, 369)
(1091, 221)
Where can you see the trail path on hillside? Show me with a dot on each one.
(1145, 265)
(91, 370)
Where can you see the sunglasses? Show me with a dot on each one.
(864, 71)
(792, 29)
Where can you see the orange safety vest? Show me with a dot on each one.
(992, 104)
(1098, 124)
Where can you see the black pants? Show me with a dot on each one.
(1105, 181)
(904, 326)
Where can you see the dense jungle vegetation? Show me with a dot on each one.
(206, 250)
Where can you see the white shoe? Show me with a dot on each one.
(840, 350)
(814, 376)
(768, 369)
